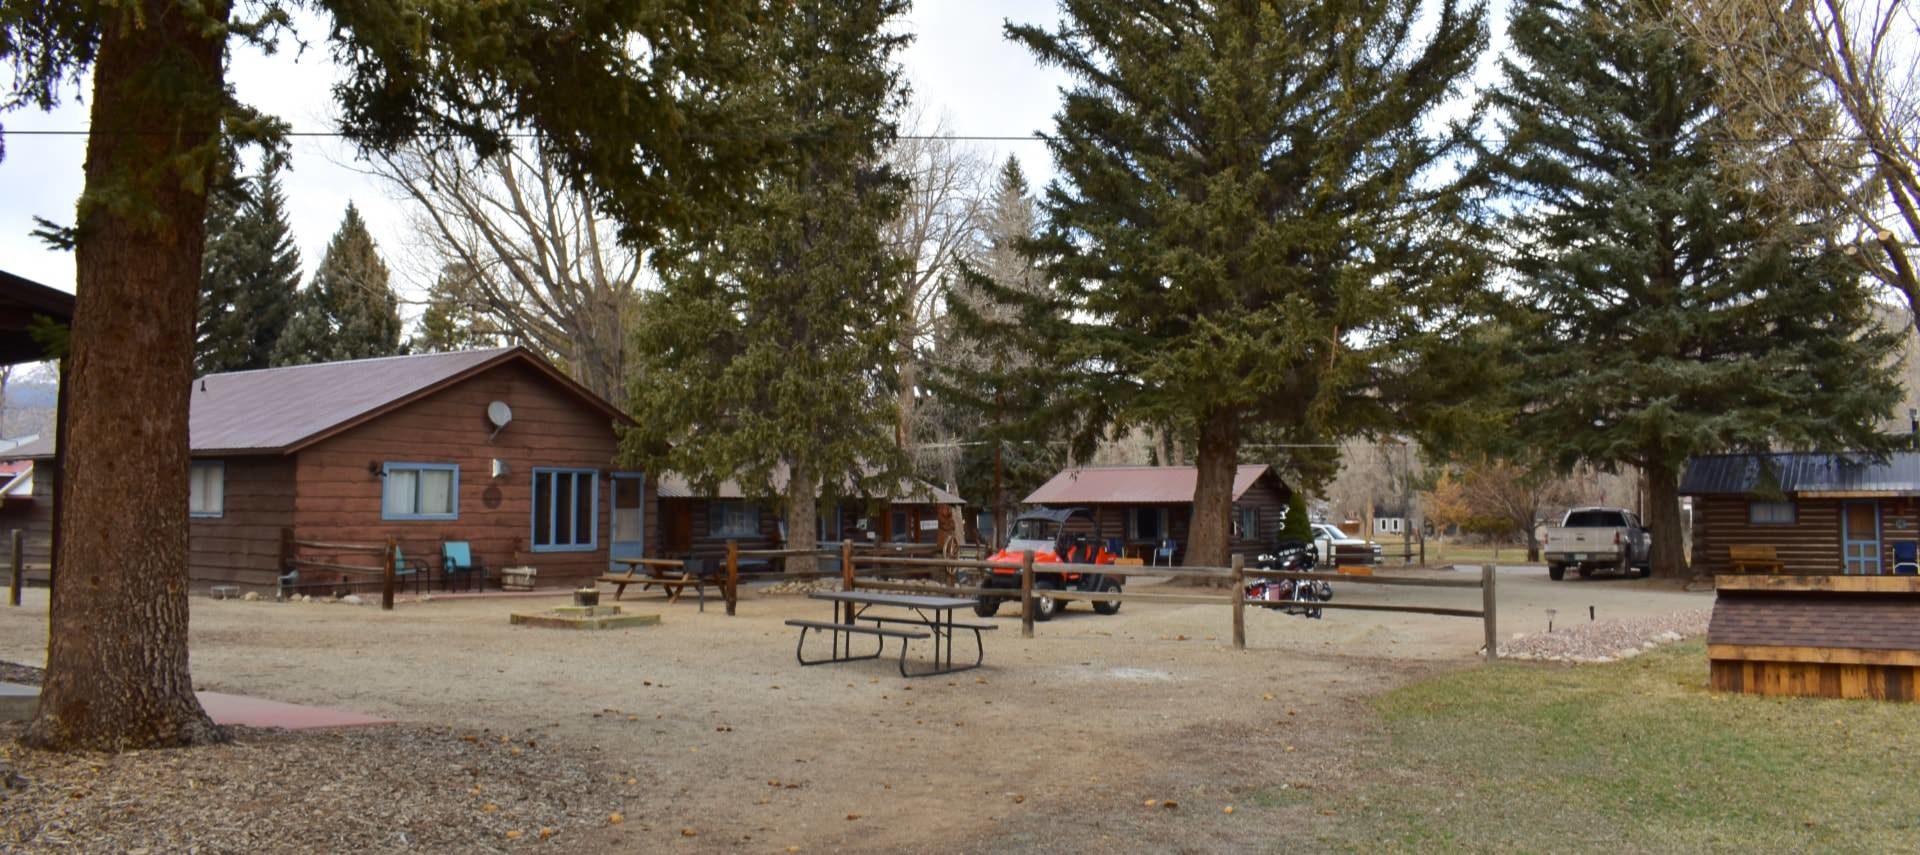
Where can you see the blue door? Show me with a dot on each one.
(628, 538)
(1860, 537)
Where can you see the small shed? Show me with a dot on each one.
(1142, 506)
(493, 447)
(1816, 636)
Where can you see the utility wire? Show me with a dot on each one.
(1036, 137)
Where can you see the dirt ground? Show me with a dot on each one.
(1058, 743)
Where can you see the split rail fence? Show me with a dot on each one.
(880, 571)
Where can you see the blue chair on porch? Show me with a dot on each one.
(458, 566)
(1904, 561)
(1166, 550)
(407, 570)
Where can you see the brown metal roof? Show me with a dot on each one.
(1816, 620)
(673, 485)
(1140, 485)
(22, 300)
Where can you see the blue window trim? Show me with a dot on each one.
(209, 515)
(1793, 516)
(533, 508)
(390, 467)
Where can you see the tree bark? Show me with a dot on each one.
(803, 518)
(1208, 536)
(1663, 517)
(117, 648)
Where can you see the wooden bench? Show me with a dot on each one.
(1755, 559)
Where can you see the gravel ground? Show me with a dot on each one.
(1056, 745)
(371, 789)
(1606, 640)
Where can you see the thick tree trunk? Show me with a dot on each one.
(1663, 517)
(1212, 524)
(117, 649)
(803, 518)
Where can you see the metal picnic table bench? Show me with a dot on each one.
(932, 617)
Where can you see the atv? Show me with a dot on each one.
(1045, 531)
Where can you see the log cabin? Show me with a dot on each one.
(697, 523)
(492, 447)
(1143, 506)
(1816, 592)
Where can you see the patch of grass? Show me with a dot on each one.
(1446, 553)
(1636, 755)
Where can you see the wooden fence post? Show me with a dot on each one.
(733, 575)
(1488, 615)
(18, 566)
(386, 576)
(1026, 594)
(846, 565)
(1238, 590)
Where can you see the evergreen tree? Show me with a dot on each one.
(452, 321)
(1250, 219)
(988, 378)
(1673, 310)
(767, 347)
(252, 273)
(216, 342)
(347, 311)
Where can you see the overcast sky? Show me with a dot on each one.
(959, 67)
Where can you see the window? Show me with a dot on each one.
(420, 491)
(1770, 513)
(1246, 523)
(207, 489)
(566, 510)
(1146, 523)
(734, 519)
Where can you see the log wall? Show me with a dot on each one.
(1810, 546)
(242, 545)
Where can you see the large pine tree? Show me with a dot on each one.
(1251, 215)
(348, 311)
(252, 273)
(767, 347)
(1671, 309)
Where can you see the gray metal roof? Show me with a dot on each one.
(673, 485)
(1895, 473)
(279, 410)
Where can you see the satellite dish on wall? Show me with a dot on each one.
(498, 414)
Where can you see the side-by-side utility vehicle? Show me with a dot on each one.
(1056, 536)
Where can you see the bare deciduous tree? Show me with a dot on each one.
(540, 261)
(1861, 143)
(938, 230)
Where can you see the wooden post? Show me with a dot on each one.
(1423, 549)
(733, 575)
(846, 565)
(386, 577)
(1026, 594)
(1238, 589)
(1487, 615)
(18, 566)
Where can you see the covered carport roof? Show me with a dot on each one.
(22, 300)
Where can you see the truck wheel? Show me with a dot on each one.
(1044, 605)
(1645, 570)
(1585, 571)
(1626, 566)
(986, 606)
(1556, 572)
(1107, 607)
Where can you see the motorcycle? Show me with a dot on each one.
(1294, 596)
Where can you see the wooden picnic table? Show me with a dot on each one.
(669, 574)
(919, 616)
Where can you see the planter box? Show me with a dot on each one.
(518, 578)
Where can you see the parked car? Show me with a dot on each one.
(1329, 542)
(1044, 531)
(1589, 539)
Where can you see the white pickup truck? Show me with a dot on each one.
(1590, 539)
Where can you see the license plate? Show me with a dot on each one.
(1579, 556)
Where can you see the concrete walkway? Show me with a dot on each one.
(17, 702)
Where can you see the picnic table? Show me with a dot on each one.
(670, 575)
(916, 616)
